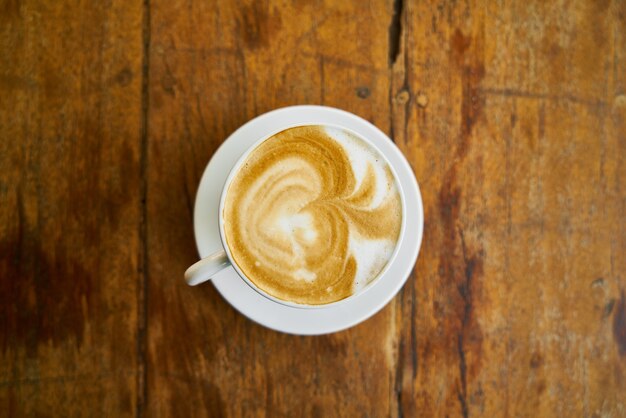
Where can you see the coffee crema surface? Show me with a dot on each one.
(312, 215)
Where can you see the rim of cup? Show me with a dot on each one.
(233, 173)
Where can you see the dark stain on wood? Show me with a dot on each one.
(472, 105)
(69, 119)
(330, 345)
(462, 264)
(168, 81)
(458, 45)
(541, 387)
(54, 85)
(469, 336)
(46, 296)
(363, 92)
(399, 372)
(201, 392)
(257, 27)
(124, 77)
(608, 308)
(536, 360)
(10, 10)
(395, 32)
(619, 325)
(11, 82)
(316, 412)
(211, 395)
(414, 347)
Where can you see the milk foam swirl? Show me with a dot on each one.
(313, 215)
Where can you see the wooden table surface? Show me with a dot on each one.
(512, 114)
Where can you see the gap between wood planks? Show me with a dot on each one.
(142, 293)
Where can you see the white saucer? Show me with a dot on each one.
(259, 308)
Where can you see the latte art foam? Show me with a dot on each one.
(313, 215)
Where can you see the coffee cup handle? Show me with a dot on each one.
(206, 268)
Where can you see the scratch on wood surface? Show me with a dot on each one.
(391, 353)
(507, 134)
(542, 122)
(585, 380)
(395, 32)
(472, 264)
(322, 80)
(614, 57)
(508, 92)
(399, 378)
(201, 121)
(188, 196)
(203, 388)
(400, 97)
(461, 271)
(346, 64)
(69, 379)
(462, 391)
(11, 82)
(142, 290)
(203, 52)
(619, 325)
(398, 371)
(391, 342)
(413, 328)
(311, 30)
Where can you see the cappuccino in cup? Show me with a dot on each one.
(312, 215)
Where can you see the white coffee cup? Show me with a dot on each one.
(209, 266)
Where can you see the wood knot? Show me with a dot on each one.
(422, 100)
(620, 100)
(536, 360)
(363, 92)
(403, 97)
(599, 282)
(124, 77)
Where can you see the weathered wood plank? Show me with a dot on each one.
(515, 129)
(212, 68)
(512, 114)
(70, 109)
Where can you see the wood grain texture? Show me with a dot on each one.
(70, 84)
(212, 68)
(511, 113)
(519, 152)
